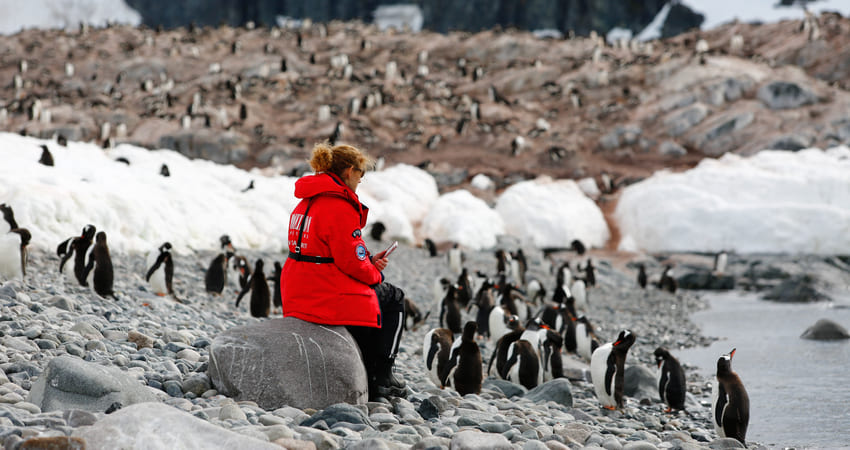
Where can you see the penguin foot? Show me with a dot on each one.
(668, 410)
(160, 294)
(610, 408)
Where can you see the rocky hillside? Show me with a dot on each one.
(507, 104)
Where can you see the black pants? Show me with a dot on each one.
(381, 344)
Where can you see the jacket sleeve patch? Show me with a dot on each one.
(356, 233)
(361, 252)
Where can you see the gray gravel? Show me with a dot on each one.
(46, 316)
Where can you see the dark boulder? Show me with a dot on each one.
(825, 330)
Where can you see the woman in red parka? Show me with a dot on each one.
(330, 277)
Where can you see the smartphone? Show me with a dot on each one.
(390, 249)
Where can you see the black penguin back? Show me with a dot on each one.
(103, 276)
(46, 157)
(260, 294)
(468, 375)
(216, 275)
(672, 383)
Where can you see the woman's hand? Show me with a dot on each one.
(380, 261)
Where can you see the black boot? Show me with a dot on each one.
(387, 384)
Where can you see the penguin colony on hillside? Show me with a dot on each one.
(529, 329)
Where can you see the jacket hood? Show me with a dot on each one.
(330, 185)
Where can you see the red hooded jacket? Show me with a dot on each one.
(338, 292)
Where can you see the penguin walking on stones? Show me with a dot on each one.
(607, 368)
(436, 347)
(667, 282)
(377, 231)
(450, 310)
(98, 270)
(585, 338)
(730, 405)
(276, 299)
(160, 272)
(13, 247)
(413, 317)
(75, 249)
(641, 277)
(260, 295)
(523, 364)
(216, 275)
(671, 380)
(590, 273)
(464, 372)
(242, 270)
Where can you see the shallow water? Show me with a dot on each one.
(799, 389)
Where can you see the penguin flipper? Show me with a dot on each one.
(609, 374)
(155, 265)
(662, 384)
(721, 405)
(245, 290)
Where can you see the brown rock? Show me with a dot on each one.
(53, 443)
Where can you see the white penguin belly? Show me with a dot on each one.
(598, 367)
(10, 257)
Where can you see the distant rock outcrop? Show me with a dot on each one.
(288, 361)
(825, 330)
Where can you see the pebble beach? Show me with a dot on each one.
(164, 344)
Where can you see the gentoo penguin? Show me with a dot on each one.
(641, 278)
(730, 405)
(522, 365)
(671, 380)
(378, 229)
(564, 277)
(8, 217)
(242, 270)
(260, 295)
(98, 270)
(668, 282)
(578, 246)
(436, 347)
(250, 186)
(519, 266)
(46, 157)
(413, 317)
(13, 254)
(216, 275)
(74, 249)
(464, 372)
(161, 270)
(550, 357)
(164, 170)
(450, 311)
(607, 368)
(276, 299)
(430, 246)
(579, 290)
(590, 273)
(586, 340)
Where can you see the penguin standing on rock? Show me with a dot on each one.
(464, 372)
(98, 270)
(216, 275)
(671, 380)
(730, 405)
(76, 247)
(436, 347)
(160, 272)
(607, 368)
(260, 295)
(641, 278)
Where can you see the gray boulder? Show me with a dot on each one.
(288, 362)
(706, 279)
(71, 383)
(641, 382)
(557, 390)
(825, 330)
(159, 426)
(797, 289)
